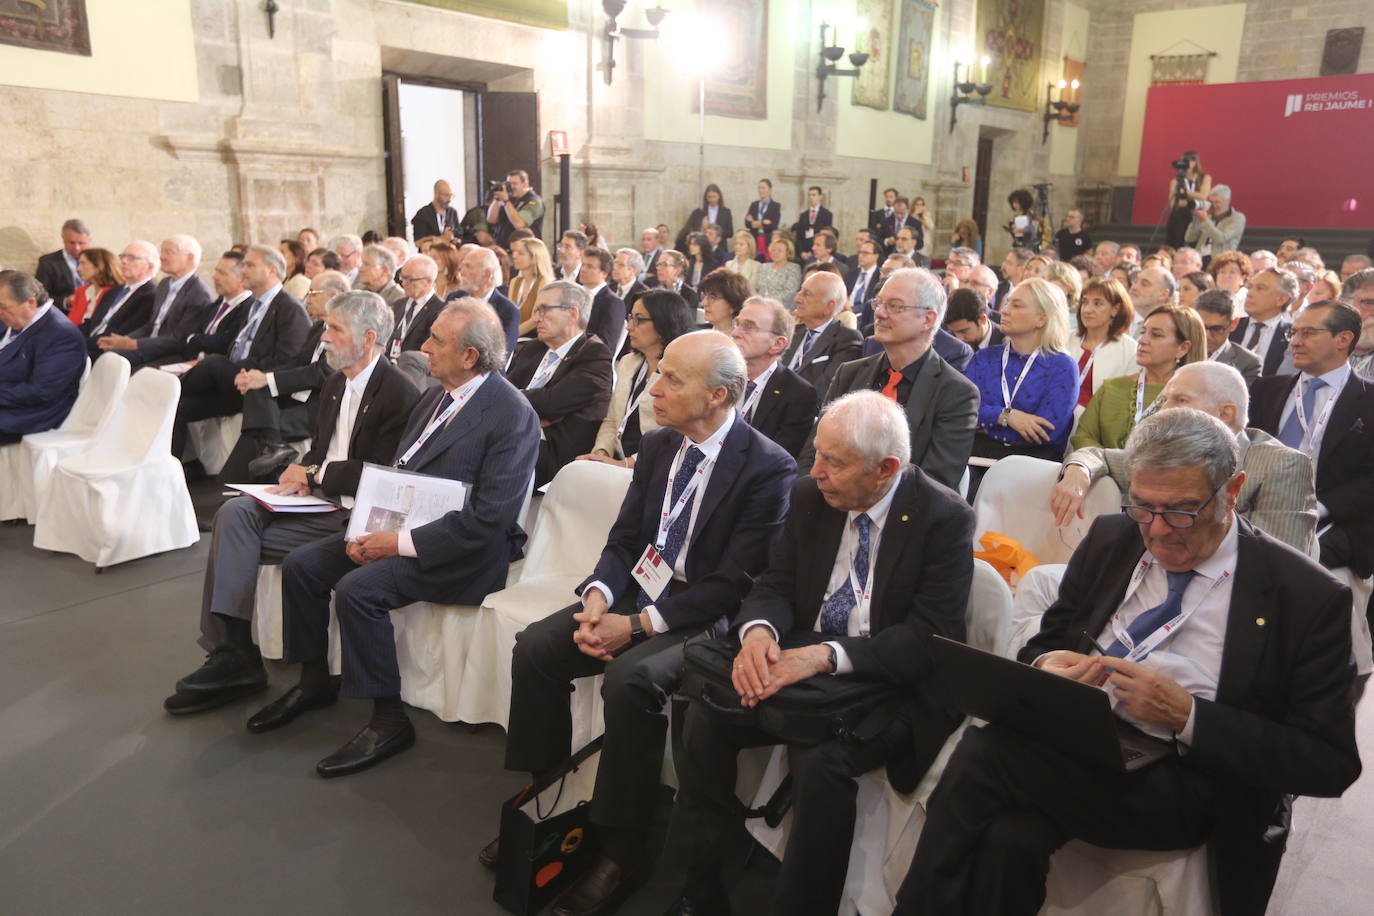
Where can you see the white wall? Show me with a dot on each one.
(432, 144)
(1073, 42)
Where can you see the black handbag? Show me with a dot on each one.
(546, 835)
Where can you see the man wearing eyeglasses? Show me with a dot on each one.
(417, 308)
(1212, 635)
(126, 308)
(375, 273)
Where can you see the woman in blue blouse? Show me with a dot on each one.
(1029, 384)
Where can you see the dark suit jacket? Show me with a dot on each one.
(418, 332)
(426, 221)
(786, 409)
(40, 375)
(1345, 465)
(185, 316)
(889, 227)
(607, 320)
(772, 216)
(1283, 720)
(835, 346)
(55, 276)
(301, 373)
(636, 290)
(203, 340)
(942, 411)
(803, 225)
(1272, 359)
(279, 337)
(742, 510)
(650, 276)
(490, 444)
(571, 405)
(724, 219)
(951, 349)
(132, 315)
(921, 580)
(382, 417)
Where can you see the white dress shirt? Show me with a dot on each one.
(797, 356)
(1335, 383)
(547, 367)
(751, 403)
(349, 402)
(1267, 328)
(12, 335)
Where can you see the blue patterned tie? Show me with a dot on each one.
(1157, 616)
(245, 339)
(837, 608)
(677, 534)
(1291, 434)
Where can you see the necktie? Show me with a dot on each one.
(894, 378)
(406, 320)
(860, 288)
(813, 216)
(110, 313)
(837, 608)
(1254, 336)
(807, 342)
(1291, 435)
(220, 312)
(163, 303)
(749, 393)
(541, 378)
(245, 339)
(677, 534)
(1157, 616)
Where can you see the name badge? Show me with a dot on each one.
(652, 572)
(395, 349)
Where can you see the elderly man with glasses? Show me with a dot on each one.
(125, 309)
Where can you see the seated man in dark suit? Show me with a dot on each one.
(282, 405)
(823, 250)
(861, 282)
(57, 269)
(223, 317)
(273, 330)
(565, 374)
(777, 402)
(1258, 620)
(474, 427)
(607, 317)
(967, 318)
(42, 360)
(879, 558)
(1217, 310)
(438, 217)
(625, 272)
(179, 302)
(671, 266)
(480, 273)
(125, 309)
(821, 344)
(711, 533)
(368, 403)
(1271, 296)
(568, 256)
(941, 404)
(416, 310)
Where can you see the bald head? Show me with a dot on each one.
(478, 269)
(820, 298)
(702, 378)
(443, 194)
(983, 280)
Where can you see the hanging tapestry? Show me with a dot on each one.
(1179, 69)
(871, 85)
(49, 25)
(1011, 33)
(738, 86)
(913, 58)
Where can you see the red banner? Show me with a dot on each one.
(1294, 152)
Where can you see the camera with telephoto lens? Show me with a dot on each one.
(494, 186)
(1181, 166)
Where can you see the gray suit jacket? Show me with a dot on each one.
(832, 348)
(392, 293)
(1279, 496)
(942, 413)
(1244, 361)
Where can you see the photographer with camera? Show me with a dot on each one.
(1216, 225)
(513, 205)
(1188, 190)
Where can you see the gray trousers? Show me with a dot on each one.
(245, 537)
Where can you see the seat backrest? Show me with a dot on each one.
(100, 393)
(574, 518)
(988, 617)
(141, 423)
(1014, 500)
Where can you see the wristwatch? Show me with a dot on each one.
(637, 634)
(834, 659)
(1004, 416)
(310, 473)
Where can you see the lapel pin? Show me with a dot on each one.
(1259, 621)
(906, 518)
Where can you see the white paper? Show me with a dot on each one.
(279, 502)
(393, 500)
(178, 369)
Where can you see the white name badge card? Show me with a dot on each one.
(652, 573)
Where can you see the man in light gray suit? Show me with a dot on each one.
(820, 345)
(375, 273)
(1218, 311)
(941, 404)
(1279, 494)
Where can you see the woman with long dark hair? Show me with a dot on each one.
(712, 210)
(1197, 184)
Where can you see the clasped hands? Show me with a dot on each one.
(249, 380)
(1142, 692)
(1030, 427)
(762, 667)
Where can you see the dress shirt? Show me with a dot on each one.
(623, 291)
(1266, 335)
(242, 297)
(1192, 656)
(547, 367)
(116, 306)
(710, 447)
(864, 285)
(405, 545)
(73, 265)
(751, 404)
(349, 403)
(909, 373)
(173, 288)
(257, 315)
(712, 213)
(12, 335)
(1335, 382)
(815, 333)
(861, 617)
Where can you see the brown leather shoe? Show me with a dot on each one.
(489, 854)
(598, 892)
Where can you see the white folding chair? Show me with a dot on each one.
(40, 452)
(1014, 499)
(125, 496)
(212, 440)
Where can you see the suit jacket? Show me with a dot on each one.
(608, 435)
(804, 230)
(573, 402)
(889, 227)
(786, 409)
(607, 319)
(942, 412)
(426, 221)
(724, 219)
(650, 275)
(1276, 359)
(834, 346)
(742, 510)
(131, 315)
(772, 217)
(636, 290)
(951, 349)
(392, 293)
(185, 316)
(490, 444)
(279, 336)
(382, 417)
(1244, 361)
(851, 277)
(301, 372)
(418, 332)
(55, 276)
(203, 340)
(1345, 486)
(40, 376)
(921, 580)
(1260, 739)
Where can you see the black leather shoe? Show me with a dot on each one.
(184, 704)
(271, 460)
(285, 708)
(716, 905)
(368, 748)
(489, 854)
(599, 891)
(225, 667)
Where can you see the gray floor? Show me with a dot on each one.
(109, 806)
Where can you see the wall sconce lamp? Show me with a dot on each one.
(1061, 110)
(830, 55)
(966, 91)
(612, 32)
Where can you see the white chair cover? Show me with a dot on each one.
(1359, 620)
(267, 619)
(125, 496)
(16, 490)
(1014, 499)
(100, 394)
(212, 440)
(1037, 590)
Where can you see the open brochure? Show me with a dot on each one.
(392, 500)
(278, 502)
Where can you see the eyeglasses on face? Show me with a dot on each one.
(635, 321)
(405, 279)
(541, 310)
(1304, 333)
(1174, 518)
(895, 307)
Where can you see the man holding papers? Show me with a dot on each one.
(474, 427)
(362, 415)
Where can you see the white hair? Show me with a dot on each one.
(1183, 437)
(873, 426)
(1222, 385)
(187, 245)
(1223, 191)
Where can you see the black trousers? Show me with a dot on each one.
(206, 391)
(638, 684)
(1005, 803)
(267, 419)
(823, 811)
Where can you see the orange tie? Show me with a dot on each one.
(894, 378)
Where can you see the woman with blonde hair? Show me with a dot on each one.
(1065, 276)
(532, 270)
(1172, 336)
(1029, 384)
(743, 263)
(781, 277)
(1103, 345)
(966, 236)
(1035, 267)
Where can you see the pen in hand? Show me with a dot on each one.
(1088, 636)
